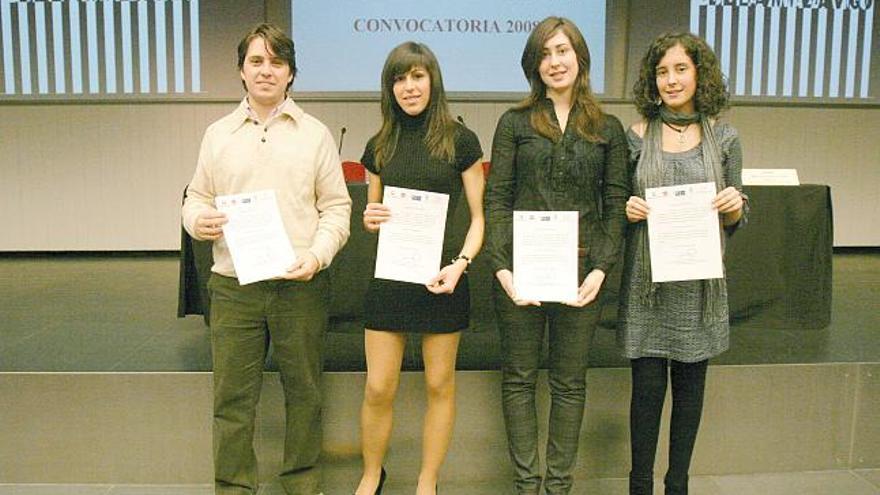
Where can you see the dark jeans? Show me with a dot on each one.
(649, 377)
(522, 337)
(243, 320)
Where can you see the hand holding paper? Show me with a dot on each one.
(375, 215)
(589, 289)
(505, 278)
(255, 235)
(411, 239)
(728, 200)
(303, 269)
(545, 255)
(445, 281)
(683, 232)
(636, 209)
(209, 225)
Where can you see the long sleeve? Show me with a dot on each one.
(332, 202)
(292, 154)
(200, 192)
(615, 192)
(731, 164)
(499, 199)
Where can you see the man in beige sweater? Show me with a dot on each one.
(269, 142)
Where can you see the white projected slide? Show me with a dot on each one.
(790, 48)
(100, 47)
(343, 44)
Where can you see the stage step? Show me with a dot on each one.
(155, 428)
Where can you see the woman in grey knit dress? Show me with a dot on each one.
(675, 326)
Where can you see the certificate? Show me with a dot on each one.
(411, 240)
(683, 232)
(255, 236)
(545, 255)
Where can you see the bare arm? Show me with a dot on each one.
(473, 182)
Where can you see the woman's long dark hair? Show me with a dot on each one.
(712, 95)
(440, 137)
(588, 118)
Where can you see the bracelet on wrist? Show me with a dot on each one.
(462, 257)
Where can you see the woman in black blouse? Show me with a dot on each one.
(556, 150)
(419, 146)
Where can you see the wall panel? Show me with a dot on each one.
(109, 176)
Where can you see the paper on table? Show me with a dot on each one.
(255, 235)
(411, 241)
(545, 255)
(683, 232)
(770, 177)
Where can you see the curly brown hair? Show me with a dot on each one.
(712, 95)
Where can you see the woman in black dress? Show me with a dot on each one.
(419, 146)
(555, 151)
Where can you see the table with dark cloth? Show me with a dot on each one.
(778, 268)
(779, 265)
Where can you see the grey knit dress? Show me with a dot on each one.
(674, 327)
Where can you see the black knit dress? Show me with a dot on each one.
(406, 307)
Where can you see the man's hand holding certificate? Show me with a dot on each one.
(411, 240)
(545, 255)
(684, 233)
(255, 235)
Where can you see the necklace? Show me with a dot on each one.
(680, 131)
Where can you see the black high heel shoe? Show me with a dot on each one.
(381, 482)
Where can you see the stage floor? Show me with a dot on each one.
(73, 312)
(858, 482)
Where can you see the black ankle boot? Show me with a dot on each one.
(641, 485)
(676, 486)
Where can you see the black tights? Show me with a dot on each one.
(649, 377)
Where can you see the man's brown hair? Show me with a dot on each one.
(277, 43)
